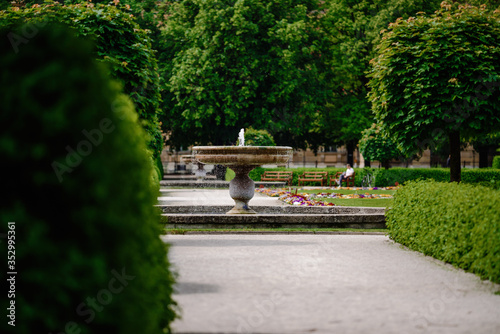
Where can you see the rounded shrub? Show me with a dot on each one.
(255, 137)
(496, 162)
(77, 185)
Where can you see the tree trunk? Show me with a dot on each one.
(351, 145)
(386, 164)
(483, 156)
(455, 171)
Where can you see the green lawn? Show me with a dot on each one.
(283, 230)
(368, 202)
(347, 191)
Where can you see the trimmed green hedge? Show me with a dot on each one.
(388, 177)
(455, 223)
(256, 174)
(78, 187)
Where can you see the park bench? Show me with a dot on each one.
(277, 176)
(349, 181)
(313, 177)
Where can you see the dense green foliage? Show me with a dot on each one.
(437, 77)
(354, 27)
(455, 223)
(375, 146)
(496, 162)
(258, 138)
(232, 65)
(80, 193)
(120, 43)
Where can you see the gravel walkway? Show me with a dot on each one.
(323, 284)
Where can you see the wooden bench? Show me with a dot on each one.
(349, 180)
(313, 177)
(277, 176)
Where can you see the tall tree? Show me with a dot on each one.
(437, 76)
(120, 43)
(354, 27)
(231, 65)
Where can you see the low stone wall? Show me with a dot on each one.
(206, 217)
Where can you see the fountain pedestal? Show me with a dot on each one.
(241, 190)
(242, 159)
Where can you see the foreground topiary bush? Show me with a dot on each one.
(456, 223)
(77, 184)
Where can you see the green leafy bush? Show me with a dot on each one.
(120, 43)
(258, 138)
(374, 146)
(456, 223)
(78, 179)
(496, 162)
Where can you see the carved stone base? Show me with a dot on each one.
(241, 189)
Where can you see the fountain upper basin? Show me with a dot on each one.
(242, 155)
(188, 159)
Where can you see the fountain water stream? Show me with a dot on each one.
(242, 159)
(241, 137)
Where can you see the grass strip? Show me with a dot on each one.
(275, 230)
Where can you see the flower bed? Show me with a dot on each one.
(305, 199)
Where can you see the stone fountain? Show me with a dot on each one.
(200, 173)
(242, 159)
(188, 159)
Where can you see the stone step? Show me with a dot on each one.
(200, 221)
(206, 217)
(282, 209)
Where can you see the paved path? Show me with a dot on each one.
(323, 284)
(193, 197)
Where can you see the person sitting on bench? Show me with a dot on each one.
(346, 174)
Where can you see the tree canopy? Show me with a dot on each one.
(120, 43)
(437, 76)
(354, 28)
(247, 63)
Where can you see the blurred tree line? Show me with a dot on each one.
(296, 68)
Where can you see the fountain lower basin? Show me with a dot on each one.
(242, 159)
